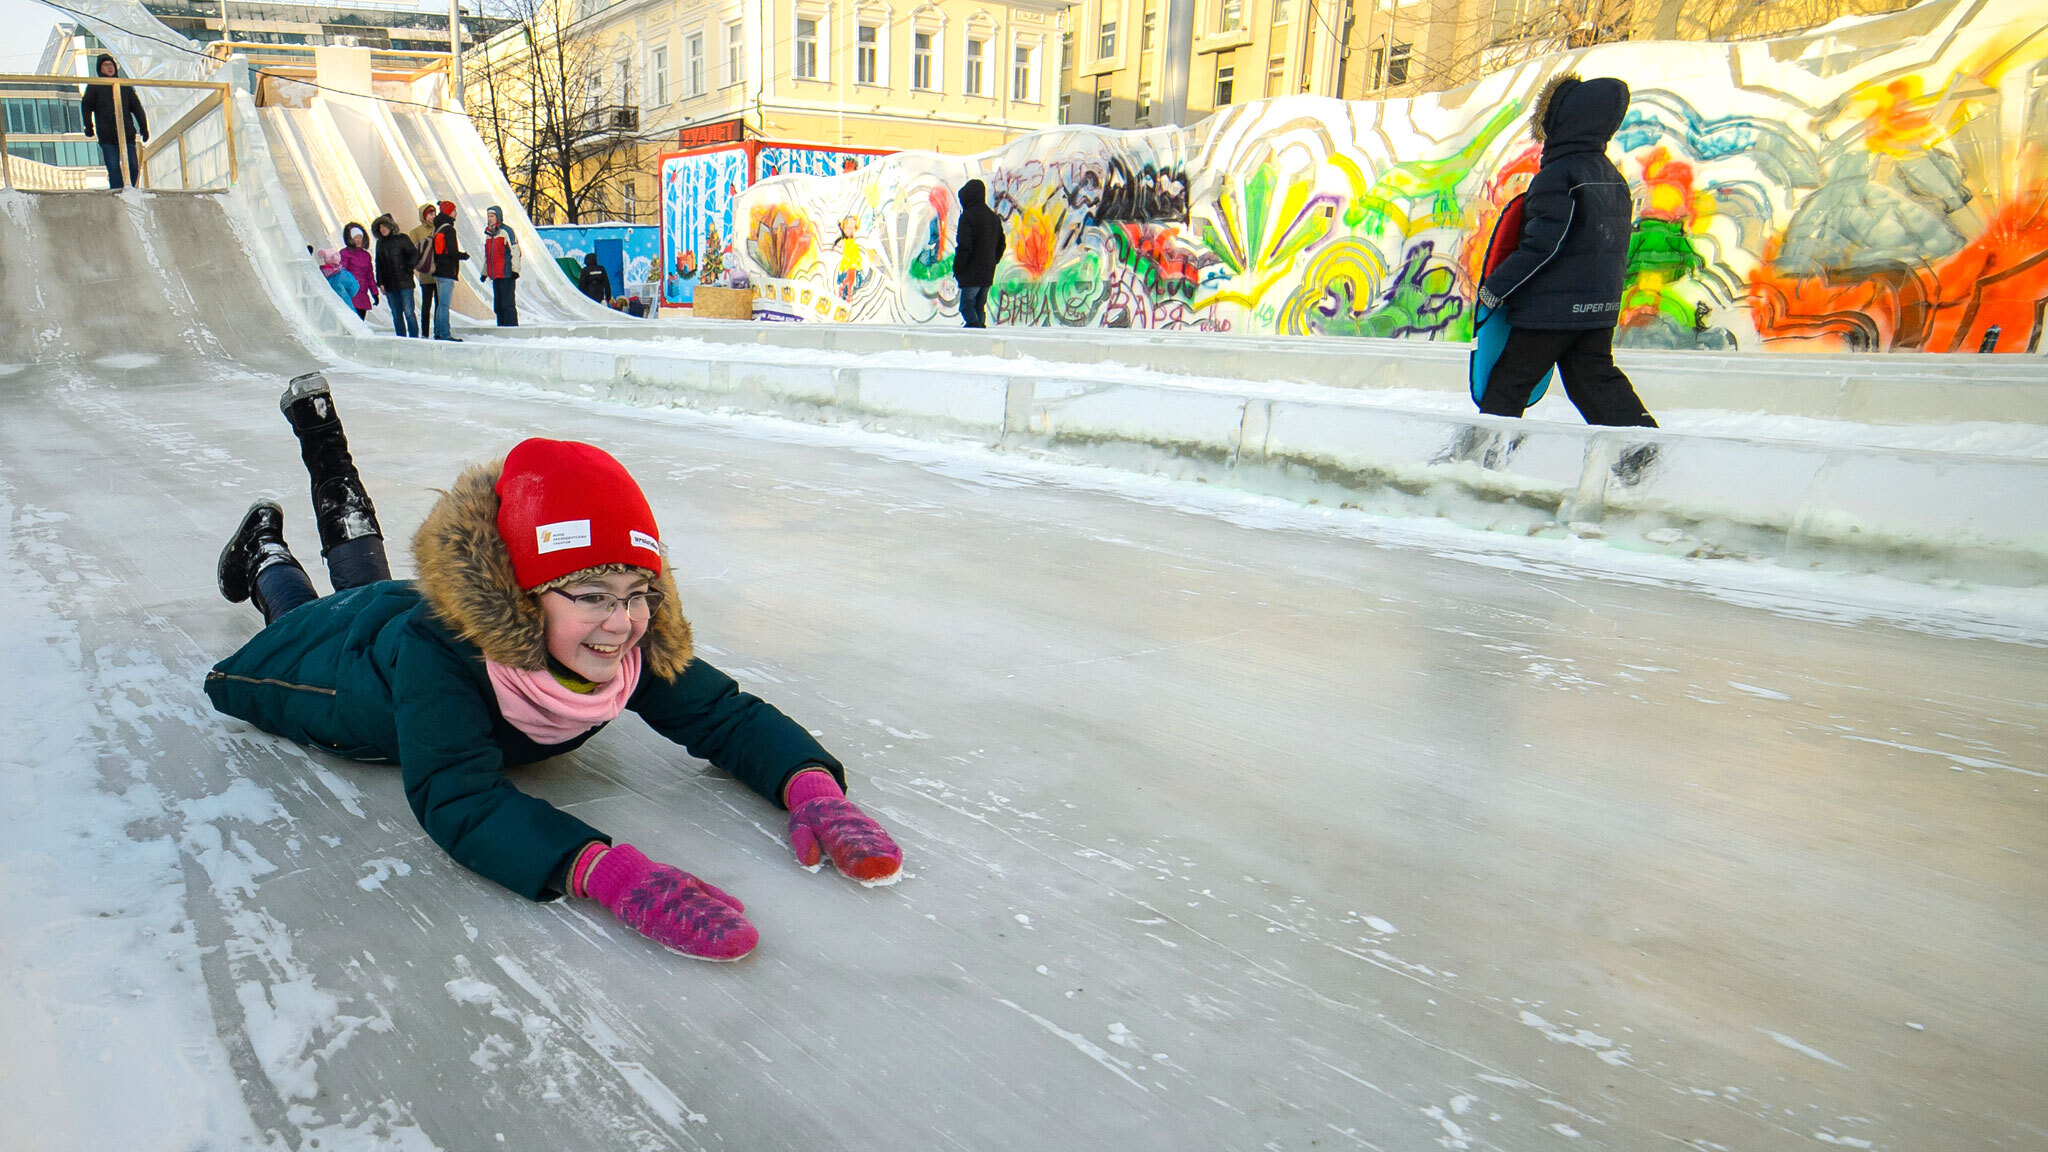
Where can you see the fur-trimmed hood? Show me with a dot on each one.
(465, 575)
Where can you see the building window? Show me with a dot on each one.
(1230, 15)
(1066, 51)
(1147, 31)
(657, 75)
(735, 44)
(693, 55)
(1226, 78)
(1144, 103)
(1101, 107)
(632, 209)
(921, 61)
(806, 49)
(1020, 74)
(1390, 69)
(1283, 11)
(866, 64)
(1276, 77)
(1066, 108)
(1105, 41)
(975, 49)
(622, 76)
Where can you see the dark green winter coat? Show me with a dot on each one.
(395, 672)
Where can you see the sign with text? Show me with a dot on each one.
(717, 132)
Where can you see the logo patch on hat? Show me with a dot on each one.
(643, 540)
(562, 534)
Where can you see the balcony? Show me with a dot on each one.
(606, 126)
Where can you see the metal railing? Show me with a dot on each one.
(190, 139)
(272, 65)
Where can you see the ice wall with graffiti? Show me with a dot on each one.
(1877, 186)
(699, 188)
(629, 253)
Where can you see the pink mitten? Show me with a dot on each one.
(820, 815)
(664, 903)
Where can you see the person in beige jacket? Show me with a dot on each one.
(422, 238)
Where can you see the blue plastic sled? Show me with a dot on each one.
(1490, 332)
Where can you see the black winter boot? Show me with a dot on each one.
(256, 545)
(341, 505)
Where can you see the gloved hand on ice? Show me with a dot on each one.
(821, 817)
(664, 903)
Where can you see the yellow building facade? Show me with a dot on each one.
(954, 76)
(1150, 63)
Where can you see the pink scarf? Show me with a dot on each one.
(547, 711)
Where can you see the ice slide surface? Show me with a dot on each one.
(1219, 835)
(345, 158)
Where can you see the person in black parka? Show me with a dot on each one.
(397, 256)
(595, 282)
(543, 608)
(97, 105)
(1562, 286)
(977, 249)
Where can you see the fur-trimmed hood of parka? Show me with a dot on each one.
(465, 576)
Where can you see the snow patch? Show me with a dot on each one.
(1081, 1044)
(1599, 1045)
(1788, 1042)
(381, 869)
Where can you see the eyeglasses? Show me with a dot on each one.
(596, 606)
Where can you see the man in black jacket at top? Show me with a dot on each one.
(100, 121)
(1562, 287)
(977, 249)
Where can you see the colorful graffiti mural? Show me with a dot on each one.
(699, 189)
(629, 253)
(1877, 186)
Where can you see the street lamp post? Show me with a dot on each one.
(454, 49)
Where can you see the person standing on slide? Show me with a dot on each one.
(110, 128)
(501, 266)
(422, 237)
(1562, 285)
(448, 258)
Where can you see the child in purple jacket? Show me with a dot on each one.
(355, 257)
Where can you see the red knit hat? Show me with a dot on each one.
(564, 506)
(447, 207)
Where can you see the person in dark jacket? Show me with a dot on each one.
(448, 258)
(543, 608)
(977, 249)
(595, 282)
(100, 121)
(397, 256)
(1562, 286)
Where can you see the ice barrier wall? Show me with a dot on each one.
(1877, 186)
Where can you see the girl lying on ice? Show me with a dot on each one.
(543, 608)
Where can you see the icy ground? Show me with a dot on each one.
(1226, 828)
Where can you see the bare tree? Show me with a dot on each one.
(565, 130)
(1748, 19)
(1394, 48)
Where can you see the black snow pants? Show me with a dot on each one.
(1585, 362)
(351, 540)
